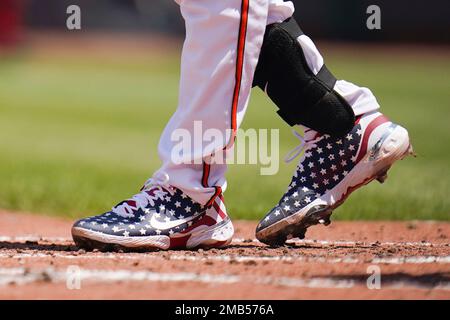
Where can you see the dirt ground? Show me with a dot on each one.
(38, 260)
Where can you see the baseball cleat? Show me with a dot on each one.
(329, 171)
(158, 217)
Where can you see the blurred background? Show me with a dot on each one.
(81, 111)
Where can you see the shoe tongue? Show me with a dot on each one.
(150, 191)
(131, 203)
(310, 134)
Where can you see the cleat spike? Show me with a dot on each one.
(327, 221)
(301, 236)
(382, 175)
(411, 152)
(382, 178)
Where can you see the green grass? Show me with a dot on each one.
(79, 133)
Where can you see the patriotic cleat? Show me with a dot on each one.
(159, 217)
(331, 169)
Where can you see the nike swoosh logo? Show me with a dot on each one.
(170, 224)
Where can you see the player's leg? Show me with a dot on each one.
(182, 205)
(347, 141)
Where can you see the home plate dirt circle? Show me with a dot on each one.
(38, 260)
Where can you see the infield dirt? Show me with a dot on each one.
(38, 260)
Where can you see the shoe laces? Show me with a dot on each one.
(307, 141)
(155, 188)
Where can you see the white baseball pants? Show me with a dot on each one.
(219, 58)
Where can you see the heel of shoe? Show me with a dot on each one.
(396, 147)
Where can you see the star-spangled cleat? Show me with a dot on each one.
(158, 217)
(329, 171)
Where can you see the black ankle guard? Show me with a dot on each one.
(301, 96)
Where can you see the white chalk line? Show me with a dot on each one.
(232, 258)
(23, 276)
(34, 238)
(349, 243)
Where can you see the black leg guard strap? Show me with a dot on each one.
(301, 96)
